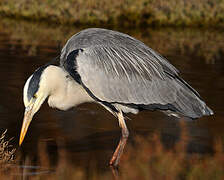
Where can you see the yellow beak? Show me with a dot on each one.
(30, 110)
(28, 115)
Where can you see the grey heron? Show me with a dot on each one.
(116, 71)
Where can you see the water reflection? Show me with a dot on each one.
(90, 133)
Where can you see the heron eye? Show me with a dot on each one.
(35, 96)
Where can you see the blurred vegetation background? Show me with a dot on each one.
(206, 13)
(203, 44)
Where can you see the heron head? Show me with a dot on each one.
(35, 91)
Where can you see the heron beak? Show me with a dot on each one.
(28, 115)
(30, 110)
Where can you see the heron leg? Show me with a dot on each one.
(119, 150)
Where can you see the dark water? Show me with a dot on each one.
(88, 132)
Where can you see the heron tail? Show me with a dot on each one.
(189, 103)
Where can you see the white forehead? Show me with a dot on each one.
(25, 93)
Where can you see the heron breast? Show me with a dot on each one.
(68, 96)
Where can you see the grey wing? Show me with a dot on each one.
(98, 37)
(116, 76)
(135, 75)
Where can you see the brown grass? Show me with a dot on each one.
(6, 150)
(119, 13)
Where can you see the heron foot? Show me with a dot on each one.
(120, 148)
(118, 152)
(115, 172)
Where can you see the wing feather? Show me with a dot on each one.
(117, 68)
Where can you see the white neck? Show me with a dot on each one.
(64, 92)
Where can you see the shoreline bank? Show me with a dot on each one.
(124, 13)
